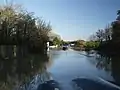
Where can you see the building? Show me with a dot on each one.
(52, 36)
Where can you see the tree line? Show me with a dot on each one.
(21, 33)
(20, 27)
(108, 39)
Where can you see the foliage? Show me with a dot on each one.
(116, 31)
(108, 38)
(79, 43)
(102, 34)
(64, 42)
(56, 41)
(91, 45)
(19, 27)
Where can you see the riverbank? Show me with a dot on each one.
(106, 49)
(78, 48)
(109, 48)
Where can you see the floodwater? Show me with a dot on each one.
(70, 64)
(62, 66)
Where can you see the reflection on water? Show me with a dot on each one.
(103, 62)
(115, 64)
(20, 70)
(109, 64)
(17, 68)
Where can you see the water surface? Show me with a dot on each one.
(62, 66)
(72, 64)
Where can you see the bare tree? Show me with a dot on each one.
(100, 35)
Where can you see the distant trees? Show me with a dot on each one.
(79, 43)
(65, 42)
(100, 38)
(103, 34)
(108, 38)
(56, 41)
(90, 45)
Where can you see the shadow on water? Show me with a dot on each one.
(19, 69)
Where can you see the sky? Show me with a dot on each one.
(73, 19)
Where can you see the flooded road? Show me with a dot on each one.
(70, 64)
(30, 72)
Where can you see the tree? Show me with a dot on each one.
(118, 15)
(80, 43)
(108, 33)
(100, 35)
(116, 29)
(19, 27)
(89, 45)
(56, 41)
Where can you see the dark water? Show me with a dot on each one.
(62, 66)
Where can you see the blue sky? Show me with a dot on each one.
(73, 19)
